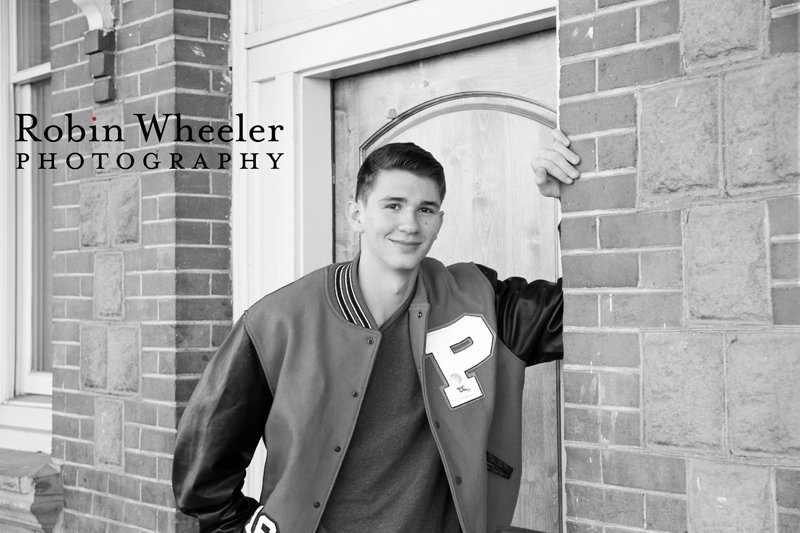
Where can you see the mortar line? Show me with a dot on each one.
(615, 50)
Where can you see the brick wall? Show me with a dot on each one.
(681, 266)
(142, 288)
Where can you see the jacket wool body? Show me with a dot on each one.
(293, 372)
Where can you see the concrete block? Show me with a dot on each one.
(94, 356)
(638, 230)
(597, 33)
(658, 20)
(788, 488)
(644, 471)
(646, 310)
(601, 270)
(581, 387)
(666, 514)
(616, 151)
(108, 293)
(123, 213)
(683, 390)
(605, 505)
(108, 433)
(726, 263)
(583, 464)
(573, 9)
(760, 135)
(662, 270)
(680, 143)
(715, 31)
(107, 115)
(94, 209)
(123, 359)
(579, 527)
(729, 497)
(601, 349)
(581, 425)
(763, 371)
(635, 67)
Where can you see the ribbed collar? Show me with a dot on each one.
(348, 295)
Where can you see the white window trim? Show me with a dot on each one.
(25, 421)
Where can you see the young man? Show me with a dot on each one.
(387, 389)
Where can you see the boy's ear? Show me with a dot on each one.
(354, 212)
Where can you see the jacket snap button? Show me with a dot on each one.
(458, 480)
(370, 341)
(355, 394)
(316, 505)
(337, 449)
(436, 425)
(419, 314)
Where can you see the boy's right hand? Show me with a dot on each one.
(555, 165)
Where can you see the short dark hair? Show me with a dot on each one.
(399, 156)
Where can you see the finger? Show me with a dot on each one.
(561, 162)
(560, 137)
(568, 154)
(550, 168)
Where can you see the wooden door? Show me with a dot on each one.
(481, 112)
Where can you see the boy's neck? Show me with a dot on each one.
(384, 289)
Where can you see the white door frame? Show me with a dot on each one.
(282, 219)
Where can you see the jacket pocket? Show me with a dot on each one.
(498, 467)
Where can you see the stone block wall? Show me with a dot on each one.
(142, 287)
(681, 250)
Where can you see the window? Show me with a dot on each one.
(26, 353)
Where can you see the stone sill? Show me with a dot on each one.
(31, 495)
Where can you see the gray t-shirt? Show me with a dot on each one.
(392, 479)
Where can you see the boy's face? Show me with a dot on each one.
(399, 219)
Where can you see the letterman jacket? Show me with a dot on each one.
(294, 369)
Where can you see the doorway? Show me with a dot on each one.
(481, 112)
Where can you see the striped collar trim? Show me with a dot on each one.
(346, 297)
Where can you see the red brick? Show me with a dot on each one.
(784, 37)
(636, 230)
(80, 309)
(192, 77)
(185, 388)
(140, 465)
(66, 285)
(157, 28)
(577, 78)
(107, 507)
(785, 260)
(200, 52)
(158, 441)
(202, 258)
(64, 55)
(662, 270)
(140, 9)
(599, 114)
(127, 37)
(580, 310)
(784, 215)
(786, 305)
(666, 514)
(221, 234)
(157, 388)
(575, 8)
(580, 387)
(616, 151)
(578, 527)
(788, 523)
(204, 309)
(619, 390)
(220, 29)
(158, 80)
(191, 25)
(80, 404)
(601, 349)
(658, 20)
(212, 106)
(66, 426)
(581, 425)
(78, 500)
(622, 428)
(604, 505)
(207, 6)
(219, 332)
(79, 452)
(87, 429)
(65, 101)
(578, 233)
(585, 149)
(192, 362)
(641, 66)
(66, 331)
(597, 33)
(650, 472)
(788, 488)
(77, 75)
(140, 515)
(206, 208)
(157, 494)
(165, 469)
(612, 192)
(601, 270)
(649, 310)
(221, 81)
(583, 464)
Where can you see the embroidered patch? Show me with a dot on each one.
(261, 523)
(457, 349)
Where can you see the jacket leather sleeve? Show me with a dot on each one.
(529, 317)
(218, 434)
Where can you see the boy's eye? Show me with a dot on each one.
(392, 206)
